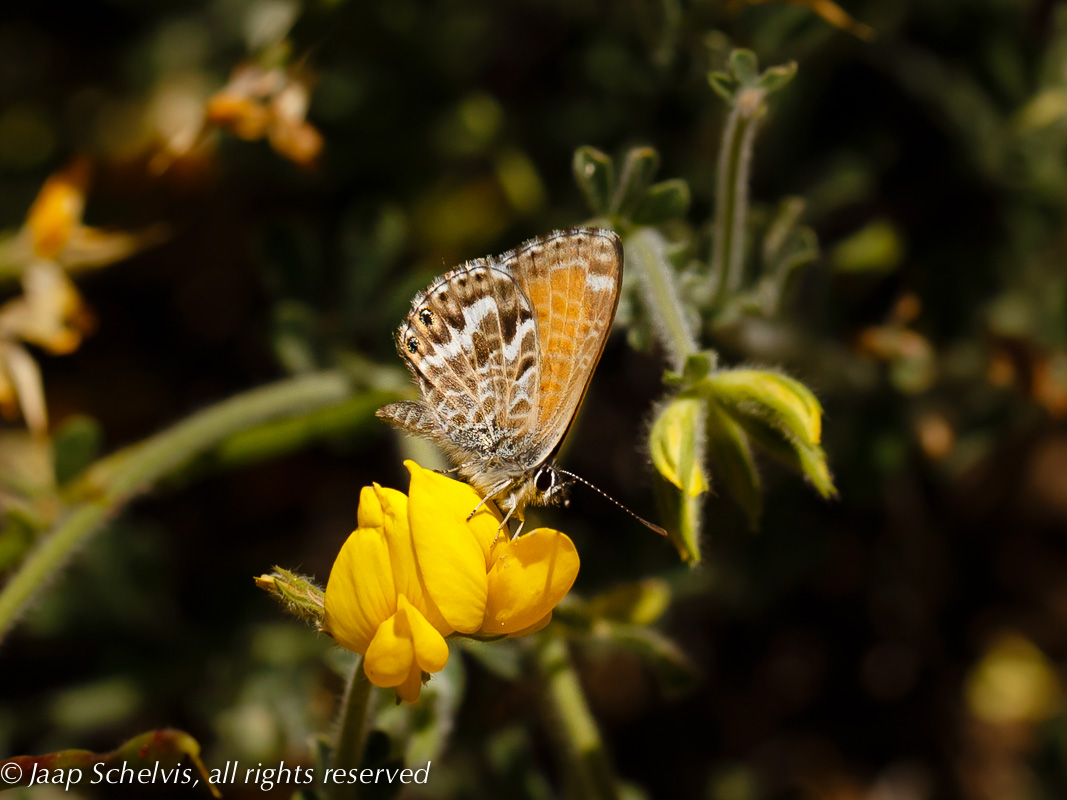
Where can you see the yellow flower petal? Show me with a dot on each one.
(541, 623)
(451, 560)
(392, 509)
(57, 209)
(360, 594)
(391, 653)
(431, 650)
(370, 514)
(461, 499)
(530, 575)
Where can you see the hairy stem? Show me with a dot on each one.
(572, 727)
(731, 192)
(646, 251)
(110, 484)
(357, 707)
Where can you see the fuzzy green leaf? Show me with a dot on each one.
(876, 247)
(638, 168)
(788, 403)
(775, 78)
(662, 202)
(725, 86)
(632, 603)
(744, 66)
(808, 460)
(682, 516)
(730, 457)
(677, 445)
(699, 365)
(595, 176)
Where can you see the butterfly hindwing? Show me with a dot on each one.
(471, 341)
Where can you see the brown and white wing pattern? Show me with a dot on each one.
(471, 342)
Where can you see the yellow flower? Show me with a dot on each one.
(416, 571)
(54, 231)
(271, 102)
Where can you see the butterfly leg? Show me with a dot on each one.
(492, 494)
(451, 471)
(503, 525)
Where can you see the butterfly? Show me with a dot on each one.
(503, 349)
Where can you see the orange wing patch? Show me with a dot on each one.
(572, 281)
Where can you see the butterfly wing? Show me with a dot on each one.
(471, 342)
(572, 280)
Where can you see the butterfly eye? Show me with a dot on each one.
(545, 479)
(413, 345)
(426, 316)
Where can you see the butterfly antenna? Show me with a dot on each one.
(602, 493)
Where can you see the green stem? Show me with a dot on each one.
(357, 707)
(572, 727)
(111, 483)
(731, 192)
(646, 250)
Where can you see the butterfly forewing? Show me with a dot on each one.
(572, 279)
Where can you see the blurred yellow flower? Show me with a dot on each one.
(54, 230)
(21, 388)
(50, 312)
(416, 570)
(268, 102)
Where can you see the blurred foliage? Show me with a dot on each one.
(271, 182)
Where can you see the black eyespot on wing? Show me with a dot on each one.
(426, 316)
(413, 344)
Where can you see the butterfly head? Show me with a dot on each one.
(549, 486)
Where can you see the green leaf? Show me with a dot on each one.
(595, 176)
(699, 365)
(779, 413)
(677, 674)
(638, 168)
(677, 444)
(633, 603)
(75, 446)
(681, 515)
(775, 78)
(808, 460)
(731, 462)
(725, 86)
(744, 66)
(502, 657)
(877, 247)
(662, 202)
(788, 403)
